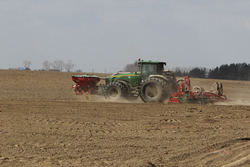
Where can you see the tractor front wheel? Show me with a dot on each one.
(115, 91)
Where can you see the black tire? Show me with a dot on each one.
(116, 91)
(127, 92)
(156, 90)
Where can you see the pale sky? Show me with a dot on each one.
(108, 34)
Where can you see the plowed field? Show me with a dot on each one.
(43, 123)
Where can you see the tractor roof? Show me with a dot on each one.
(151, 62)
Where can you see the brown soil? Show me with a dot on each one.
(42, 123)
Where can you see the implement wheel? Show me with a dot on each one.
(116, 91)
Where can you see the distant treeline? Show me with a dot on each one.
(239, 71)
(234, 71)
(196, 72)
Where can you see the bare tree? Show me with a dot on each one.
(26, 64)
(58, 65)
(68, 66)
(133, 67)
(46, 65)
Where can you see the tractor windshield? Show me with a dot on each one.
(151, 69)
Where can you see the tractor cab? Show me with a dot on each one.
(150, 68)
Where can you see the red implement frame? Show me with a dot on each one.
(183, 87)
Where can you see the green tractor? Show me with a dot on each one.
(152, 83)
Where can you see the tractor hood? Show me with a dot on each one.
(132, 78)
(126, 73)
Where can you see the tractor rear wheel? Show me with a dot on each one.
(156, 90)
(116, 91)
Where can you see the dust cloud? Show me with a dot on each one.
(242, 102)
(101, 98)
